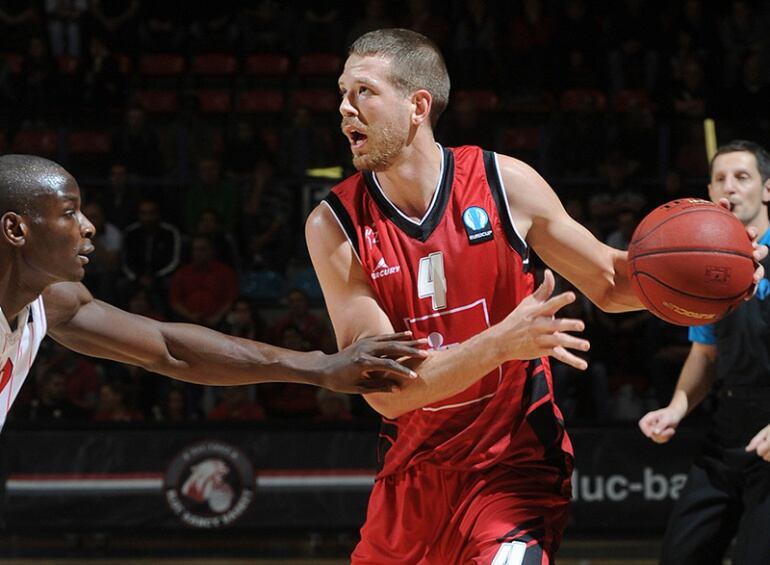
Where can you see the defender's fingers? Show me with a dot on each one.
(546, 287)
(398, 349)
(390, 367)
(556, 303)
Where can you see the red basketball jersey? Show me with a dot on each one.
(458, 271)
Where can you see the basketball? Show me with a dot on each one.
(690, 262)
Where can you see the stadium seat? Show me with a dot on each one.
(15, 61)
(576, 99)
(267, 64)
(214, 64)
(317, 100)
(629, 99)
(125, 64)
(88, 142)
(68, 65)
(161, 64)
(36, 142)
(314, 64)
(214, 101)
(260, 101)
(485, 100)
(157, 101)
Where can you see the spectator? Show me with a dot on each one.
(136, 144)
(104, 261)
(119, 198)
(211, 192)
(113, 407)
(103, 86)
(244, 321)
(160, 29)
(224, 242)
(242, 149)
(312, 332)
(236, 406)
(51, 403)
(116, 20)
(37, 84)
(19, 20)
(64, 19)
(151, 248)
(203, 290)
(175, 408)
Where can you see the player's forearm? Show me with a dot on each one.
(443, 374)
(203, 356)
(694, 384)
(620, 297)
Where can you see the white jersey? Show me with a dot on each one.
(18, 349)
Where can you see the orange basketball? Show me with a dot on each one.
(690, 262)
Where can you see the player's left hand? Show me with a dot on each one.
(760, 251)
(761, 443)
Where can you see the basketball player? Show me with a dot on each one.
(45, 241)
(728, 488)
(475, 462)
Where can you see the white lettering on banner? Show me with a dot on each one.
(616, 487)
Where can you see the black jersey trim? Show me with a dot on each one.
(498, 195)
(424, 229)
(344, 220)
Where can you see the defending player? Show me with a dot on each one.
(45, 240)
(475, 460)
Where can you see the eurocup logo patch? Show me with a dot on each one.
(477, 225)
(209, 485)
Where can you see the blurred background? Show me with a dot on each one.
(202, 134)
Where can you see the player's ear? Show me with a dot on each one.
(422, 102)
(14, 228)
(766, 191)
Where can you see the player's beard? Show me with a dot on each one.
(384, 145)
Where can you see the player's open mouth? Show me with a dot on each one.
(357, 139)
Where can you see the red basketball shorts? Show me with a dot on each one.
(432, 516)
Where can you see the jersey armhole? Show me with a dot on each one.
(344, 221)
(495, 182)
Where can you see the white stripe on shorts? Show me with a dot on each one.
(511, 553)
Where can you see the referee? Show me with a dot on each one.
(728, 488)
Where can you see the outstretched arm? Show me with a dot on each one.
(530, 331)
(597, 270)
(694, 383)
(202, 356)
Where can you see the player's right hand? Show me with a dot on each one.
(532, 329)
(660, 425)
(372, 364)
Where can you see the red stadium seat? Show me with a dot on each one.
(15, 61)
(317, 99)
(214, 101)
(313, 64)
(524, 138)
(89, 142)
(576, 99)
(630, 99)
(68, 65)
(214, 64)
(267, 64)
(264, 101)
(36, 142)
(124, 63)
(157, 101)
(485, 100)
(161, 64)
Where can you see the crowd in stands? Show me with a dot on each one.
(202, 136)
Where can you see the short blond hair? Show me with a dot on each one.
(415, 63)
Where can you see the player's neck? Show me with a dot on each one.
(411, 182)
(15, 294)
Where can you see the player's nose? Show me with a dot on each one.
(346, 108)
(87, 229)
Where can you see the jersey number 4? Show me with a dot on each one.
(431, 280)
(5, 374)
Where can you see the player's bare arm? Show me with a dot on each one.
(695, 382)
(203, 356)
(596, 269)
(530, 331)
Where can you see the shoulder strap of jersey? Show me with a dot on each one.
(344, 220)
(501, 201)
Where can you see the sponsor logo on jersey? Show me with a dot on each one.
(382, 269)
(477, 225)
(209, 485)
